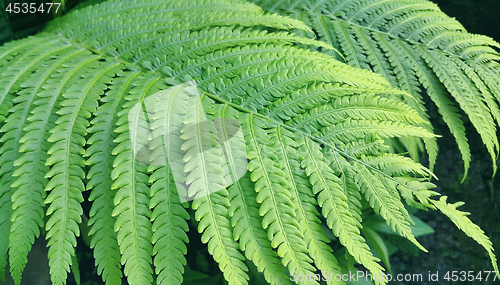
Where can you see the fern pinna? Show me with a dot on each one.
(313, 130)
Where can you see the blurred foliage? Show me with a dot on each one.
(18, 26)
(477, 16)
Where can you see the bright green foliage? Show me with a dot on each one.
(416, 47)
(313, 131)
(168, 216)
(104, 240)
(335, 208)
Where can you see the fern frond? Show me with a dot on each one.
(311, 125)
(169, 227)
(410, 188)
(324, 31)
(132, 199)
(244, 210)
(335, 208)
(351, 130)
(384, 203)
(466, 94)
(438, 94)
(367, 146)
(350, 47)
(407, 80)
(392, 38)
(246, 18)
(29, 168)
(460, 219)
(356, 107)
(315, 95)
(347, 183)
(303, 198)
(13, 129)
(99, 153)
(396, 165)
(202, 40)
(23, 60)
(276, 207)
(281, 73)
(66, 173)
(205, 174)
(252, 237)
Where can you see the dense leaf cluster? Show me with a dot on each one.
(313, 128)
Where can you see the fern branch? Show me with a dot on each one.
(478, 113)
(276, 207)
(168, 213)
(22, 63)
(99, 153)
(132, 197)
(303, 198)
(460, 219)
(335, 208)
(244, 210)
(206, 175)
(66, 173)
(384, 204)
(408, 32)
(29, 169)
(13, 131)
(346, 182)
(260, 75)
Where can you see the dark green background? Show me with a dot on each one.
(477, 16)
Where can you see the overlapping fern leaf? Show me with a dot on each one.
(312, 133)
(419, 49)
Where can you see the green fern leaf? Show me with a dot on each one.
(244, 210)
(72, 119)
(392, 38)
(253, 240)
(169, 227)
(104, 239)
(205, 175)
(335, 208)
(14, 131)
(347, 183)
(303, 198)
(460, 219)
(467, 95)
(28, 197)
(385, 204)
(132, 199)
(276, 207)
(66, 173)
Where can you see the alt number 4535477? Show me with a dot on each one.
(32, 8)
